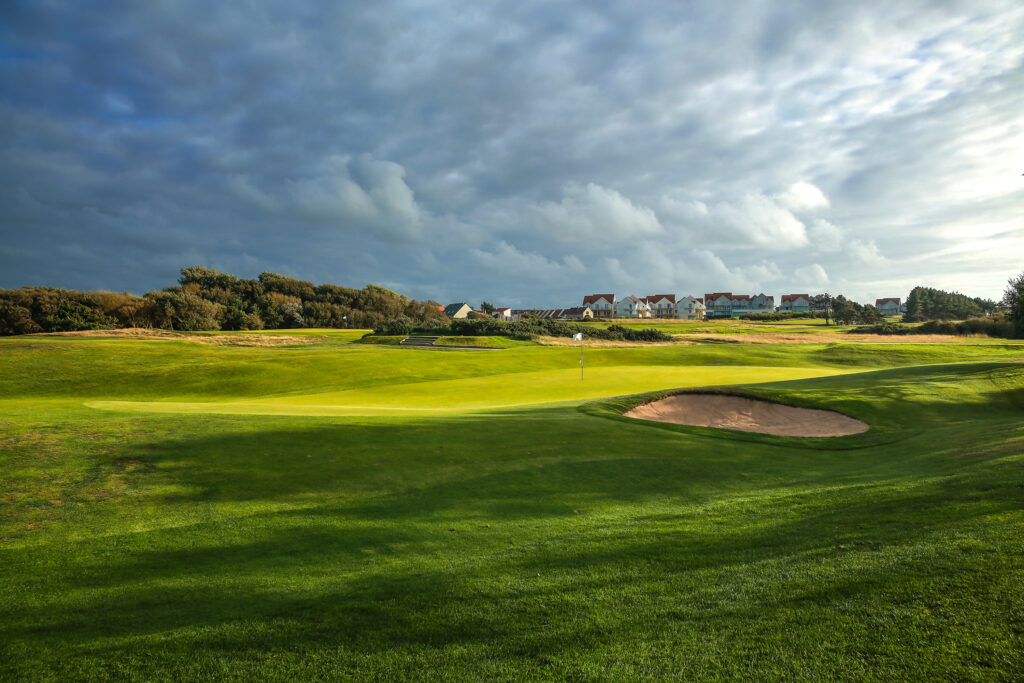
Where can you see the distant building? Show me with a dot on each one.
(578, 313)
(762, 303)
(459, 310)
(890, 306)
(502, 314)
(690, 308)
(729, 305)
(632, 307)
(602, 305)
(795, 303)
(718, 304)
(662, 305)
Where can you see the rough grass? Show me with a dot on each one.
(548, 541)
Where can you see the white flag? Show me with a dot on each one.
(578, 336)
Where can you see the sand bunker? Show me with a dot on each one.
(747, 415)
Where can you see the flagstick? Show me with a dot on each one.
(581, 356)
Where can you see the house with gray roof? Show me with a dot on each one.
(457, 311)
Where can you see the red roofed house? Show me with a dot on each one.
(690, 308)
(890, 306)
(502, 314)
(662, 305)
(632, 307)
(718, 304)
(762, 303)
(672, 306)
(602, 305)
(729, 305)
(796, 303)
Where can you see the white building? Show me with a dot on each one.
(795, 303)
(602, 305)
(762, 303)
(729, 305)
(890, 306)
(632, 307)
(662, 305)
(690, 308)
(457, 311)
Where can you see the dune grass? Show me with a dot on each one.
(525, 530)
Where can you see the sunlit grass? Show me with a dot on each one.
(512, 525)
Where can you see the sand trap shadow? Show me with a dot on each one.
(747, 415)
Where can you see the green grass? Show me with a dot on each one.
(284, 519)
(485, 342)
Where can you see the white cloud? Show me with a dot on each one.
(361, 193)
(802, 197)
(825, 236)
(685, 271)
(866, 252)
(753, 220)
(592, 212)
(811, 277)
(507, 259)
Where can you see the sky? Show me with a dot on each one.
(523, 153)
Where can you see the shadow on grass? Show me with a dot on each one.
(310, 582)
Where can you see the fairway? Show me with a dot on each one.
(484, 393)
(179, 509)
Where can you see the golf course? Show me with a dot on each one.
(303, 504)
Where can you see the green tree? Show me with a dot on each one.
(844, 311)
(822, 303)
(206, 278)
(15, 319)
(870, 315)
(179, 309)
(1013, 302)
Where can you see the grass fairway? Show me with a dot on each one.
(175, 510)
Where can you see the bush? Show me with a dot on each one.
(993, 326)
(71, 316)
(16, 319)
(237, 319)
(177, 309)
(526, 329)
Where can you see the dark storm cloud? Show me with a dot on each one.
(522, 154)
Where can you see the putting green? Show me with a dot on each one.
(490, 392)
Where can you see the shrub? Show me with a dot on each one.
(527, 328)
(237, 319)
(72, 315)
(16, 319)
(993, 326)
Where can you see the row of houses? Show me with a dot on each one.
(653, 306)
(711, 305)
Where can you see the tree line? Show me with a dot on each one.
(206, 299)
(925, 303)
